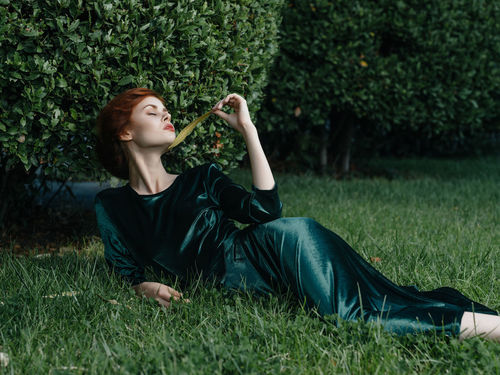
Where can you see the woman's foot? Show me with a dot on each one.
(477, 324)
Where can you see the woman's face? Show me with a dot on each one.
(149, 125)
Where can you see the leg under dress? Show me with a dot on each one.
(322, 269)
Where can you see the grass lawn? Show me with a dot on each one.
(436, 224)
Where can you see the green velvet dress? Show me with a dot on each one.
(188, 229)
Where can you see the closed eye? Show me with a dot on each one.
(153, 114)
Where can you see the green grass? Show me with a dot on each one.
(436, 224)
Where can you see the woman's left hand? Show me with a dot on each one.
(240, 119)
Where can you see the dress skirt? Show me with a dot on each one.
(323, 271)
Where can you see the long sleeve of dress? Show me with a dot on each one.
(117, 255)
(257, 206)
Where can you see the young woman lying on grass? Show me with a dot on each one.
(182, 224)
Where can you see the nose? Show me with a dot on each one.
(166, 117)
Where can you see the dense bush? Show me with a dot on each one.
(426, 70)
(62, 60)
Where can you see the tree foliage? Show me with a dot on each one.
(63, 60)
(429, 68)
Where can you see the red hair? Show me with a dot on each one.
(111, 121)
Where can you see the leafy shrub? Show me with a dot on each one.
(428, 69)
(63, 60)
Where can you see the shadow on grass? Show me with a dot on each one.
(61, 228)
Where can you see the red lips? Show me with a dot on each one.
(169, 127)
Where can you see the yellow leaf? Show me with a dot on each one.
(188, 130)
(63, 294)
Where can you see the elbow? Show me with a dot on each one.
(279, 210)
(277, 215)
(275, 212)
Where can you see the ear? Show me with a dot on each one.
(125, 135)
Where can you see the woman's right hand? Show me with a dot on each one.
(239, 120)
(160, 292)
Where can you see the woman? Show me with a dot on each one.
(181, 224)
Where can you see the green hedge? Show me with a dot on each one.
(427, 68)
(62, 60)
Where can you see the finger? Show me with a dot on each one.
(222, 114)
(223, 103)
(164, 293)
(217, 105)
(163, 302)
(230, 98)
(227, 100)
(235, 98)
(174, 294)
(158, 290)
(172, 290)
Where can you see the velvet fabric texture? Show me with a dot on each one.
(188, 229)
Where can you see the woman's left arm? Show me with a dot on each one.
(240, 120)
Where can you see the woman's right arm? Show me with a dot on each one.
(160, 292)
(257, 206)
(119, 259)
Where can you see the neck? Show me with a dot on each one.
(147, 174)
